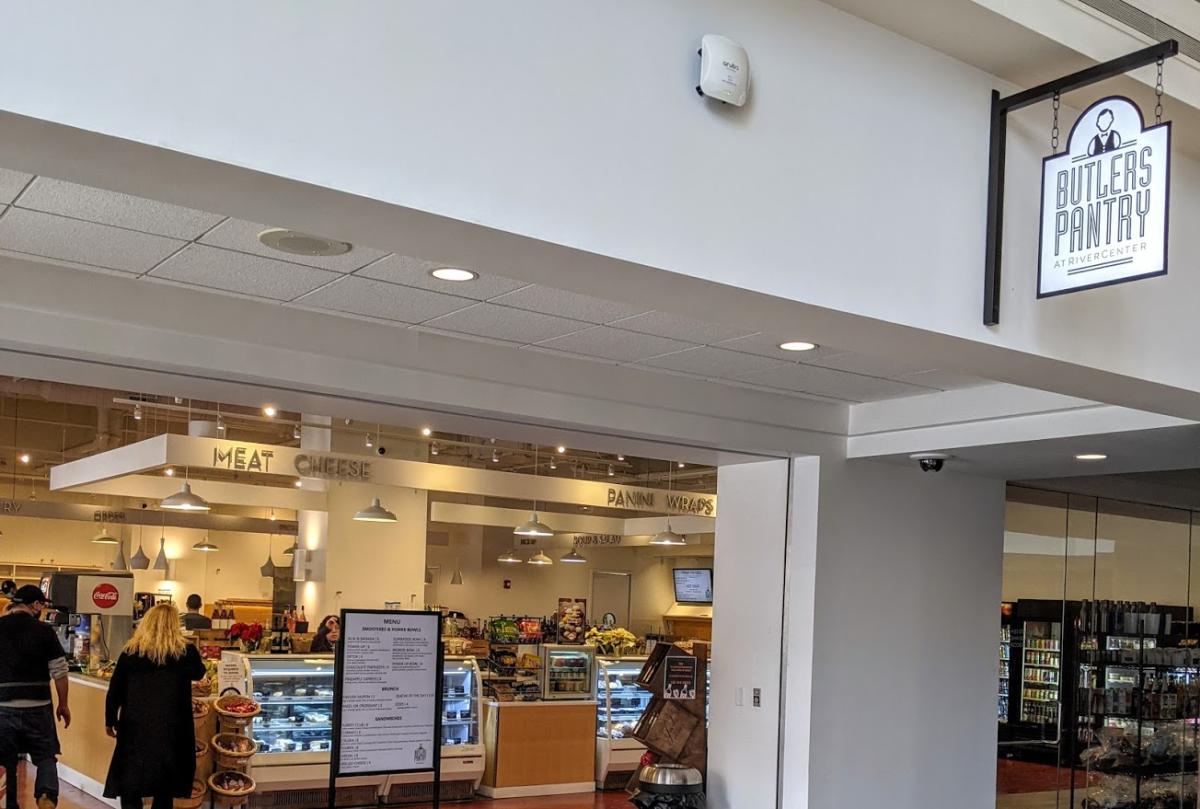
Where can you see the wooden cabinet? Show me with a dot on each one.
(539, 748)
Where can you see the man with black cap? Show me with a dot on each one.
(30, 658)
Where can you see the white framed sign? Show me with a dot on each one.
(1105, 201)
(388, 693)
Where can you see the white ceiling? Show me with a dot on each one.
(92, 229)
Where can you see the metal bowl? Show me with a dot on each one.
(670, 779)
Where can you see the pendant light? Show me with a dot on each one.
(268, 567)
(120, 563)
(540, 559)
(533, 527)
(456, 579)
(509, 558)
(205, 546)
(429, 575)
(573, 557)
(139, 561)
(161, 562)
(668, 537)
(105, 538)
(185, 500)
(375, 513)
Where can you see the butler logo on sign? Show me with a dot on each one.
(1104, 201)
(105, 596)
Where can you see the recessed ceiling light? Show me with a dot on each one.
(797, 345)
(560, 449)
(299, 484)
(426, 431)
(269, 411)
(1091, 456)
(620, 457)
(454, 274)
(680, 464)
(301, 244)
(169, 471)
(23, 457)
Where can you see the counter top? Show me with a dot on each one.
(540, 703)
(88, 680)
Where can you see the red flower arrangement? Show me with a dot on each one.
(246, 633)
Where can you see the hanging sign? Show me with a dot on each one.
(1104, 201)
(388, 695)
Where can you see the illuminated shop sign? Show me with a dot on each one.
(1104, 201)
(673, 503)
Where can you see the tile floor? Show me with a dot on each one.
(72, 798)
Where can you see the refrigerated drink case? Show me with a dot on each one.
(568, 672)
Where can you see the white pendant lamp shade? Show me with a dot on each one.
(508, 558)
(139, 560)
(205, 546)
(533, 527)
(375, 513)
(668, 537)
(161, 562)
(185, 500)
(105, 538)
(540, 559)
(573, 557)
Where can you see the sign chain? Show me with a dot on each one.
(1158, 93)
(1054, 129)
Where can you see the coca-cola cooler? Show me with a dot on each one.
(94, 612)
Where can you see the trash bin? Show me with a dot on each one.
(669, 786)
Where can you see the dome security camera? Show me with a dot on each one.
(382, 450)
(930, 461)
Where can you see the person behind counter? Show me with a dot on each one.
(328, 634)
(30, 657)
(149, 712)
(193, 619)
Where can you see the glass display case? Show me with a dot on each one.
(460, 703)
(296, 694)
(621, 699)
(568, 672)
(621, 703)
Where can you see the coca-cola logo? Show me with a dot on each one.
(105, 596)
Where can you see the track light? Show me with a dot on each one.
(169, 471)
(681, 464)
(23, 457)
(369, 443)
(375, 513)
(620, 457)
(426, 431)
(560, 449)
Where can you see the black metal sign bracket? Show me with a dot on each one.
(999, 132)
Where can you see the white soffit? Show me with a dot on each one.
(155, 487)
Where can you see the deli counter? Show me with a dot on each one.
(294, 732)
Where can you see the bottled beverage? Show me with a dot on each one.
(303, 617)
(291, 619)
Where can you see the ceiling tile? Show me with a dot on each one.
(111, 208)
(766, 345)
(944, 380)
(615, 344)
(414, 272)
(830, 382)
(679, 328)
(84, 242)
(237, 272)
(713, 363)
(238, 234)
(502, 323)
(559, 302)
(11, 183)
(363, 296)
(866, 364)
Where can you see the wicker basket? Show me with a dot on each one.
(231, 721)
(201, 750)
(230, 797)
(197, 800)
(227, 758)
(200, 712)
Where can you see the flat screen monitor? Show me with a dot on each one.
(694, 585)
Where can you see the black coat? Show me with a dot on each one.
(151, 708)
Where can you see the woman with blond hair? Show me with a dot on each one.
(149, 712)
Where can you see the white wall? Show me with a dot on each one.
(747, 631)
(860, 150)
(536, 590)
(903, 628)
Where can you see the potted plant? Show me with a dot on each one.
(248, 635)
